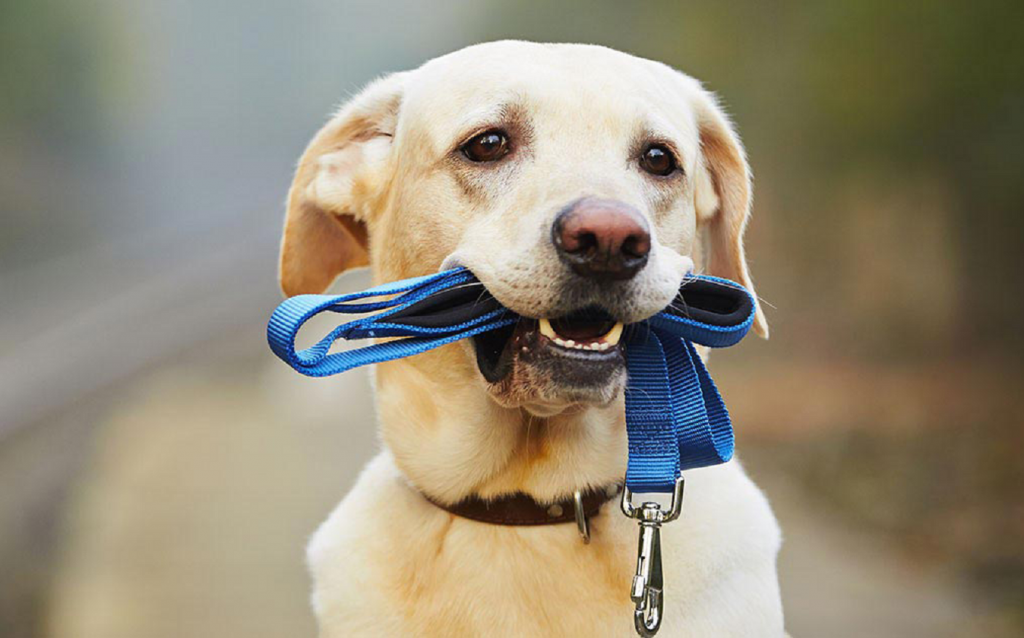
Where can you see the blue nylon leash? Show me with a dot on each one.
(675, 417)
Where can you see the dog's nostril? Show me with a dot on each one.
(582, 243)
(636, 247)
(602, 239)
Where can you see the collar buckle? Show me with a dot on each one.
(582, 524)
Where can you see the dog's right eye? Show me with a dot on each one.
(489, 146)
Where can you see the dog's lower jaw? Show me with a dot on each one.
(554, 400)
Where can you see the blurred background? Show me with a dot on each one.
(160, 471)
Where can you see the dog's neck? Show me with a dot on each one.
(452, 440)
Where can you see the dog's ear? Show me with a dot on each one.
(723, 199)
(336, 180)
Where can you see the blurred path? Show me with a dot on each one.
(205, 485)
(193, 518)
(842, 583)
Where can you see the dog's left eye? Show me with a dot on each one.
(489, 146)
(657, 159)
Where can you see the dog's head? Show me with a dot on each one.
(578, 183)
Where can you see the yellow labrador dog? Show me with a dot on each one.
(564, 176)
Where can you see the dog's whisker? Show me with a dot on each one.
(684, 310)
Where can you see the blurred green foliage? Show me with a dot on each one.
(51, 93)
(58, 74)
(862, 119)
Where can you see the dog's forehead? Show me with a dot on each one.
(548, 81)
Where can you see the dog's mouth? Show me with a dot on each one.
(592, 330)
(578, 355)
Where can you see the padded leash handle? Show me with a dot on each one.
(430, 311)
(396, 305)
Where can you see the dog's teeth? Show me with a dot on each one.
(606, 342)
(545, 328)
(613, 336)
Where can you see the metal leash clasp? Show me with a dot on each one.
(648, 583)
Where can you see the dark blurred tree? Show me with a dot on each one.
(55, 87)
(49, 70)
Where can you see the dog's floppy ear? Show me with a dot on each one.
(723, 199)
(325, 223)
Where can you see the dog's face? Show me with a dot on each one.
(578, 183)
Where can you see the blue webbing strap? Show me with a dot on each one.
(318, 361)
(675, 417)
(650, 423)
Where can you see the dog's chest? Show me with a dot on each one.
(486, 580)
(388, 563)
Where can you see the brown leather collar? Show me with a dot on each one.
(522, 509)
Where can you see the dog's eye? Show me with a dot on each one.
(657, 159)
(489, 146)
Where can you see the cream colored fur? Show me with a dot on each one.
(382, 184)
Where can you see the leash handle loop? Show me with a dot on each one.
(318, 361)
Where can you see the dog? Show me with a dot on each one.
(565, 177)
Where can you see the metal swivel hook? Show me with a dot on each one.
(648, 583)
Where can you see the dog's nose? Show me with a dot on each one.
(602, 239)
